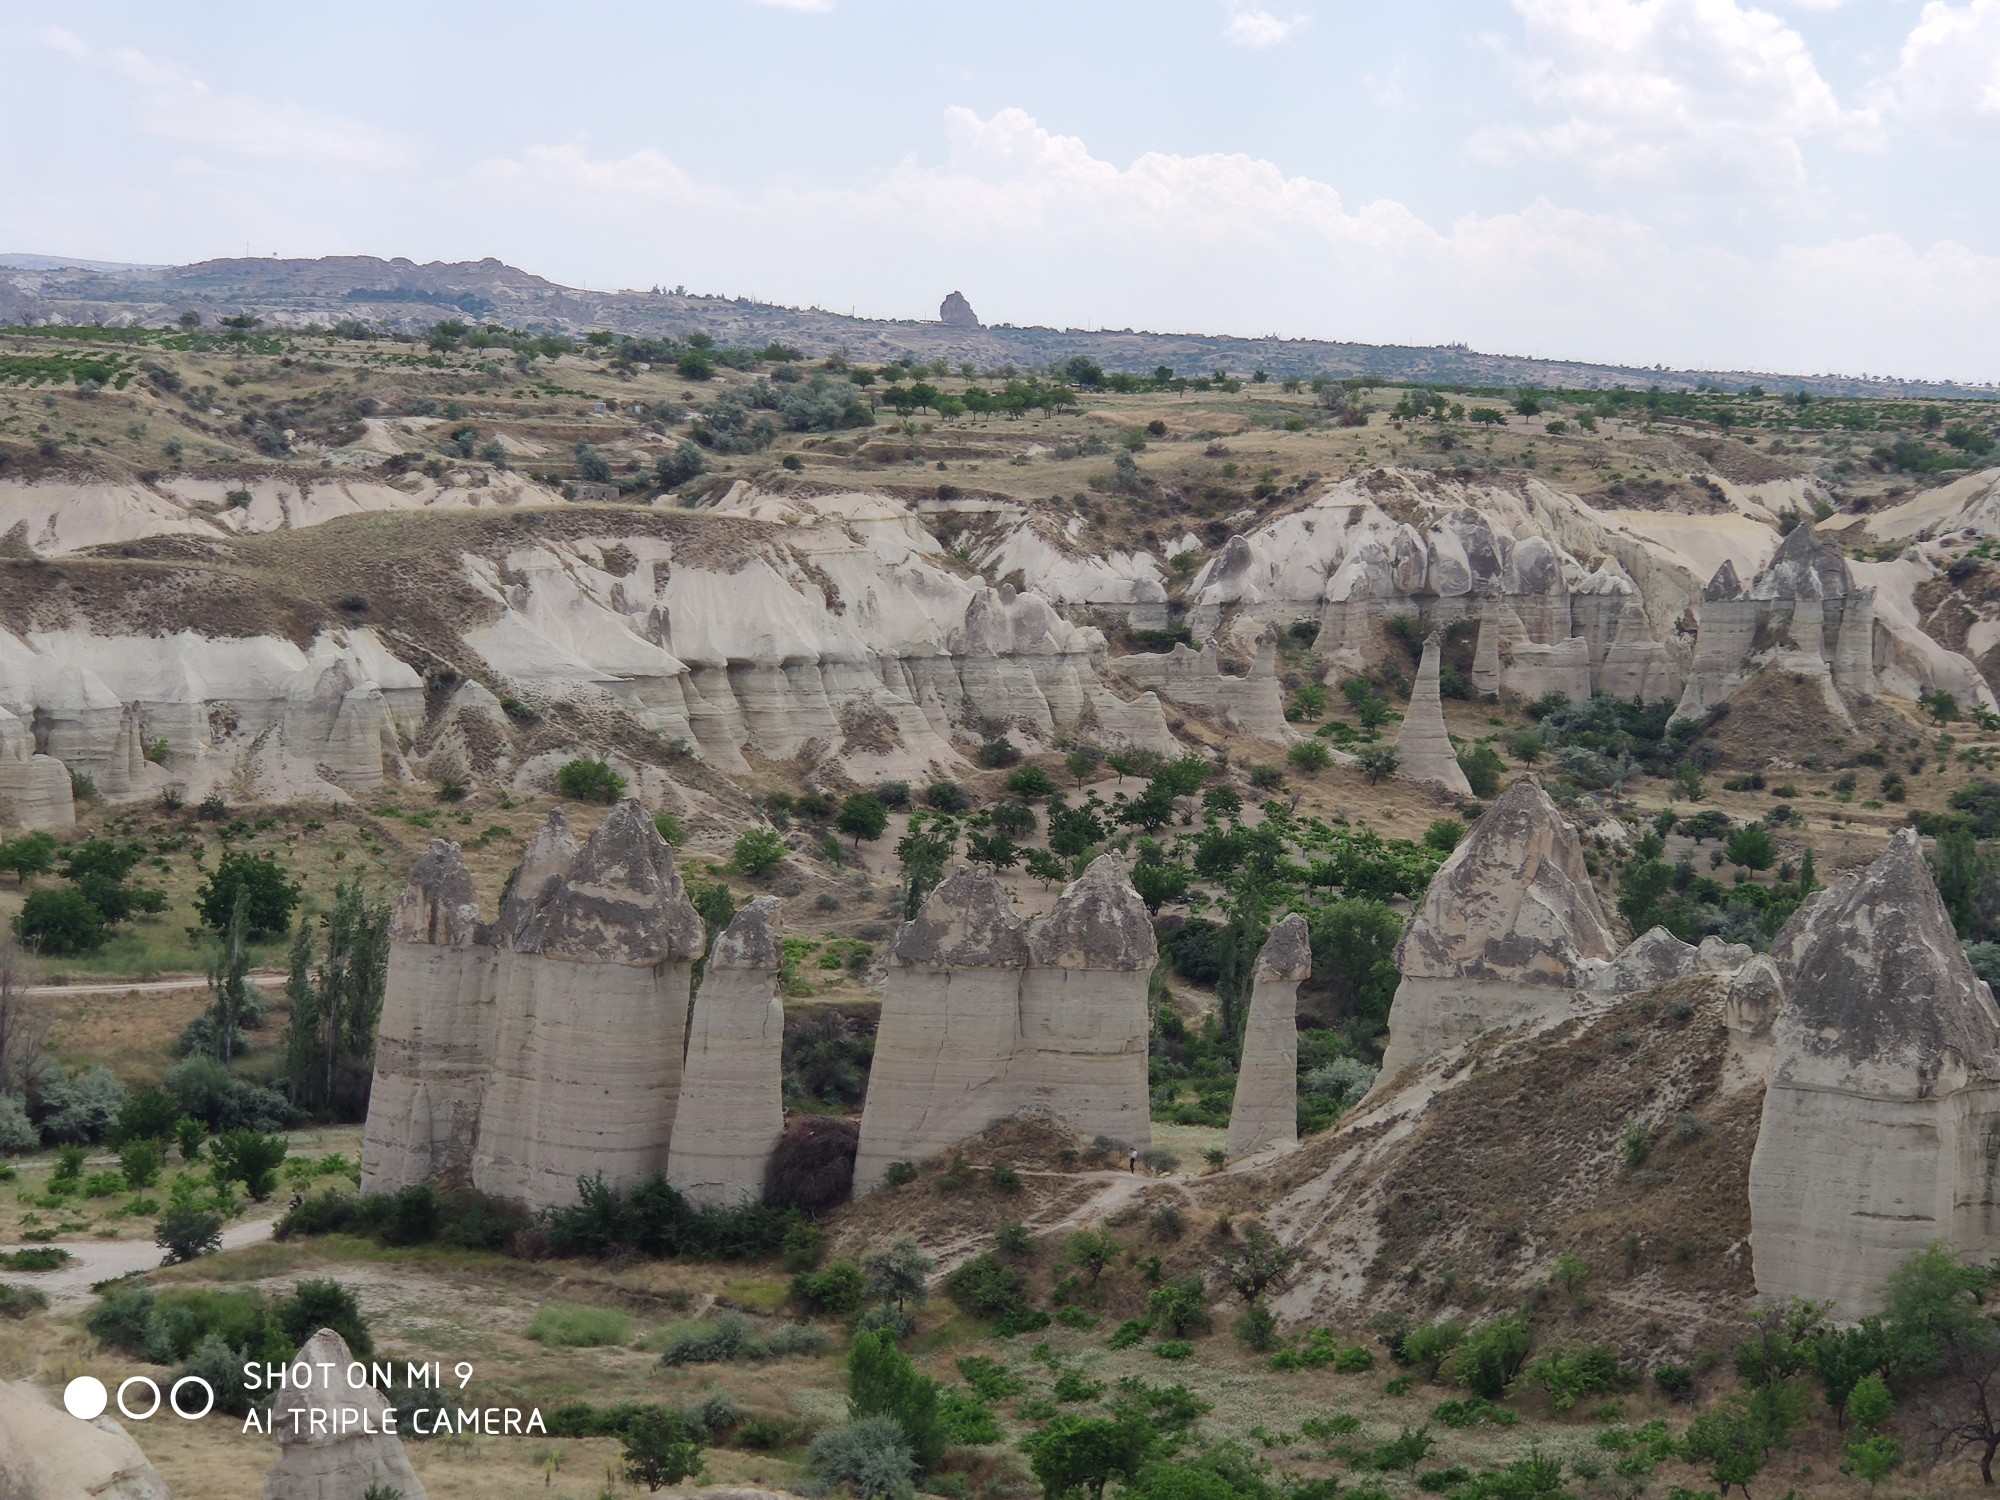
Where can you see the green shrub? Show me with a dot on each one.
(882, 1382)
(1568, 1375)
(251, 1158)
(986, 1287)
(35, 1258)
(566, 1325)
(314, 1305)
(1180, 1307)
(588, 780)
(141, 1162)
(834, 1292)
(1430, 1346)
(1491, 1356)
(871, 1457)
(757, 851)
(18, 1302)
(989, 1379)
(725, 1339)
(187, 1233)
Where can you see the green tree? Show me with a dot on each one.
(1310, 756)
(1378, 761)
(1751, 847)
(29, 855)
(1964, 872)
(1354, 955)
(60, 921)
(862, 816)
(1731, 1441)
(881, 1382)
(1482, 767)
(270, 901)
(1078, 1453)
(251, 1158)
(660, 1447)
(337, 1006)
(591, 464)
(899, 1274)
(1254, 1263)
(1942, 706)
(228, 977)
(922, 853)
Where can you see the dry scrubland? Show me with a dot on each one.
(1174, 471)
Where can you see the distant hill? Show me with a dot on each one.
(409, 296)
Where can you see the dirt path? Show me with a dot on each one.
(265, 977)
(100, 1260)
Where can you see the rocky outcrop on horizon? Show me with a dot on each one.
(1265, 1110)
(322, 1457)
(986, 1016)
(548, 1046)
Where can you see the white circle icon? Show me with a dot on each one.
(85, 1398)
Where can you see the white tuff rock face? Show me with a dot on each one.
(1265, 1112)
(1423, 743)
(984, 1017)
(329, 1463)
(1252, 704)
(547, 1047)
(1884, 1090)
(1508, 932)
(732, 1110)
(46, 1454)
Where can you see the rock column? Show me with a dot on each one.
(435, 1043)
(1266, 1109)
(592, 1007)
(731, 1112)
(1082, 1052)
(1424, 743)
(950, 1025)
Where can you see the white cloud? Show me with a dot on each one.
(1255, 27)
(1695, 95)
(1947, 79)
(1034, 228)
(170, 102)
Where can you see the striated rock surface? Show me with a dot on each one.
(591, 1002)
(1081, 1057)
(1252, 704)
(1265, 1112)
(1509, 929)
(317, 1459)
(46, 1454)
(1423, 743)
(1882, 1104)
(1653, 957)
(984, 1017)
(731, 1110)
(434, 1045)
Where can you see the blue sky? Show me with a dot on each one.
(1801, 185)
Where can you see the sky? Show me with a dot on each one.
(1796, 185)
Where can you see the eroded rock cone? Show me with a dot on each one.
(317, 1459)
(1881, 1104)
(1509, 922)
(1423, 743)
(47, 1454)
(731, 1111)
(1265, 1112)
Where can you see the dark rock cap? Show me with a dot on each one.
(1287, 955)
(621, 901)
(966, 923)
(752, 940)
(1873, 969)
(438, 905)
(1803, 567)
(1099, 922)
(548, 856)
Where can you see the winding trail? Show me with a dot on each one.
(92, 1261)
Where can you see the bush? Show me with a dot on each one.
(660, 1449)
(188, 1233)
(812, 1166)
(1430, 1346)
(1309, 756)
(251, 1158)
(834, 1292)
(588, 780)
(882, 1382)
(757, 851)
(121, 1317)
(1568, 1375)
(726, 1339)
(1257, 1329)
(871, 1457)
(1491, 1356)
(17, 1133)
(141, 1163)
(314, 1305)
(986, 1287)
(18, 1302)
(60, 920)
(81, 1108)
(566, 1325)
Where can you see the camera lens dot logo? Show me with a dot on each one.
(85, 1398)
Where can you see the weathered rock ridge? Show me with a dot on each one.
(46, 1454)
(320, 1457)
(1265, 1111)
(985, 1016)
